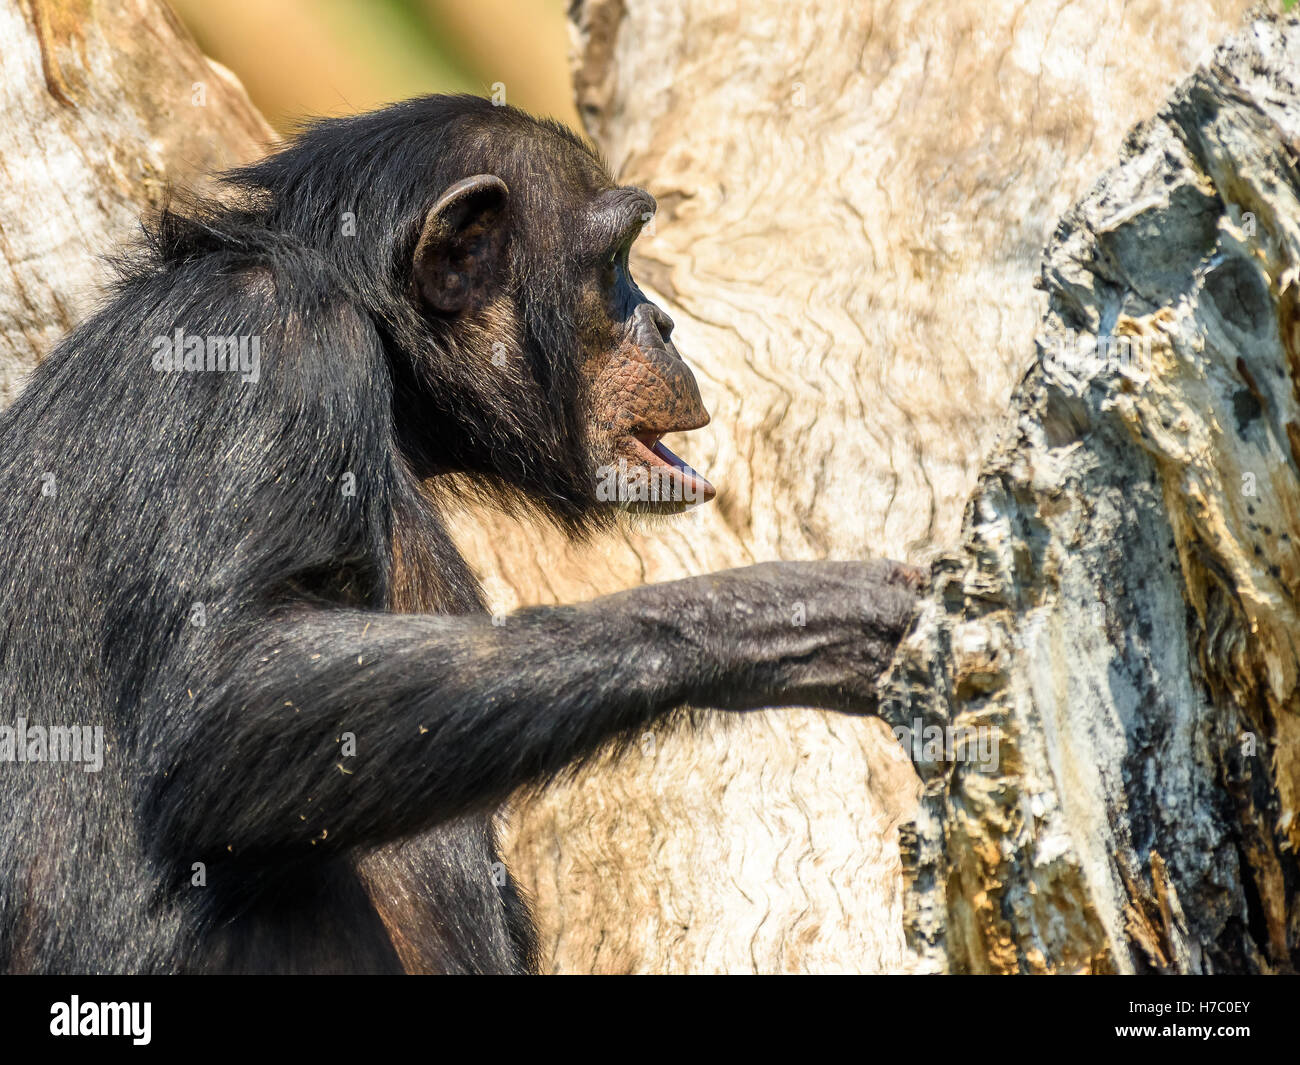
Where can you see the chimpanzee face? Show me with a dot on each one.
(632, 386)
(639, 387)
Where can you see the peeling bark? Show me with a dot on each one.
(1122, 612)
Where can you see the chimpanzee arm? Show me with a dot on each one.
(451, 714)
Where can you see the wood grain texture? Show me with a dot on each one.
(853, 202)
(104, 106)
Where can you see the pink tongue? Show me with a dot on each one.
(705, 490)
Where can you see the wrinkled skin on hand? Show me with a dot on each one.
(789, 633)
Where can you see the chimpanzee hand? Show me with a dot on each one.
(793, 633)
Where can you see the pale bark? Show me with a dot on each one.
(102, 105)
(1122, 611)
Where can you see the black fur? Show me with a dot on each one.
(325, 613)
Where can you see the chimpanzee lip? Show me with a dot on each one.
(650, 449)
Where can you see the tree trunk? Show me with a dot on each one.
(843, 194)
(104, 105)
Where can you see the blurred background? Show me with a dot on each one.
(299, 58)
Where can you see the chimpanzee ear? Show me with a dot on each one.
(461, 251)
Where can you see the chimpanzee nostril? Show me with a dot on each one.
(649, 314)
(662, 321)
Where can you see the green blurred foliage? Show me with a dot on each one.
(299, 58)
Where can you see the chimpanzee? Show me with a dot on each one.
(256, 717)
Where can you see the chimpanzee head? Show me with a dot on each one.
(492, 249)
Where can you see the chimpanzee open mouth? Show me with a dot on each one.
(650, 449)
